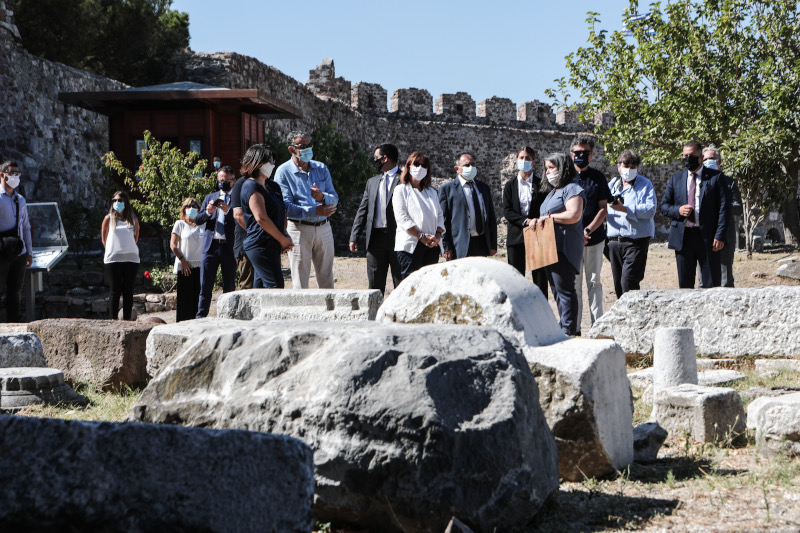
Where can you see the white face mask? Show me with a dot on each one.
(418, 173)
(12, 181)
(553, 179)
(628, 174)
(469, 172)
(266, 169)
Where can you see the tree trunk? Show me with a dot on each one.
(791, 213)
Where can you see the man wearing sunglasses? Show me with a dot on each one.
(15, 239)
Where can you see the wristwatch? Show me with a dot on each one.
(421, 236)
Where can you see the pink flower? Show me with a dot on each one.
(148, 275)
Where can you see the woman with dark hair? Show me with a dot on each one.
(521, 202)
(186, 242)
(120, 233)
(420, 222)
(264, 218)
(563, 207)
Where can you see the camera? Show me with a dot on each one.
(619, 198)
(218, 202)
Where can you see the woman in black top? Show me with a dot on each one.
(264, 218)
(521, 201)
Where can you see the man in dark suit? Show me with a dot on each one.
(218, 239)
(375, 217)
(696, 200)
(469, 220)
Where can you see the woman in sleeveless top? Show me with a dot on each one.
(186, 242)
(120, 233)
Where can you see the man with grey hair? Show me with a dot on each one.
(310, 199)
(713, 160)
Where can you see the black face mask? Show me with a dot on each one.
(691, 162)
(224, 186)
(581, 160)
(377, 163)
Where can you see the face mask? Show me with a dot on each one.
(553, 179)
(119, 207)
(224, 186)
(217, 164)
(628, 174)
(418, 173)
(524, 166)
(581, 160)
(377, 163)
(469, 173)
(191, 212)
(266, 169)
(12, 181)
(711, 163)
(306, 154)
(691, 162)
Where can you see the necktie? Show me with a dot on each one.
(692, 189)
(388, 186)
(477, 205)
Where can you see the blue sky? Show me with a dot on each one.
(512, 49)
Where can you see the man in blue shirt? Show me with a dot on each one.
(16, 250)
(310, 199)
(630, 223)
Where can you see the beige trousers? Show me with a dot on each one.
(312, 244)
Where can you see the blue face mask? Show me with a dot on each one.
(711, 163)
(306, 154)
(524, 166)
(191, 212)
(119, 207)
(217, 164)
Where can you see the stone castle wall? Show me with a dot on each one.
(57, 146)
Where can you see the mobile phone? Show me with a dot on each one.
(218, 202)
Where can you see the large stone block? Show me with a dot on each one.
(704, 414)
(727, 322)
(410, 425)
(335, 305)
(777, 424)
(777, 365)
(85, 476)
(475, 291)
(111, 352)
(21, 349)
(584, 392)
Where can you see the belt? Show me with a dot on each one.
(220, 240)
(628, 239)
(309, 223)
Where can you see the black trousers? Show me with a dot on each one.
(216, 257)
(628, 261)
(478, 247)
(188, 294)
(266, 261)
(696, 251)
(12, 277)
(422, 256)
(121, 278)
(516, 258)
(562, 282)
(380, 258)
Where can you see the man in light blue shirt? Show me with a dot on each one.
(630, 223)
(310, 199)
(16, 250)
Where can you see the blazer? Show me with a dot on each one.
(456, 217)
(714, 206)
(513, 212)
(211, 222)
(365, 216)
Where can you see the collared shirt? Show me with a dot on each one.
(639, 199)
(467, 189)
(379, 220)
(296, 188)
(8, 218)
(698, 181)
(413, 207)
(525, 193)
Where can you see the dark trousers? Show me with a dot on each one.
(121, 278)
(422, 256)
(516, 258)
(266, 261)
(216, 256)
(246, 274)
(696, 251)
(12, 277)
(628, 261)
(188, 295)
(562, 282)
(380, 258)
(478, 247)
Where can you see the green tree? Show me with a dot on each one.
(163, 181)
(721, 71)
(127, 40)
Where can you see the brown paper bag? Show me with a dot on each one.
(540, 246)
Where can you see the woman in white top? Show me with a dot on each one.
(420, 223)
(120, 233)
(186, 242)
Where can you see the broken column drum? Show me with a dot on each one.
(674, 358)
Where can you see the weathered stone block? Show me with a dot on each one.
(412, 102)
(458, 105)
(674, 359)
(777, 424)
(111, 352)
(705, 414)
(21, 349)
(88, 476)
(368, 97)
(22, 387)
(335, 305)
(767, 365)
(647, 440)
(497, 110)
(727, 322)
(410, 425)
(789, 270)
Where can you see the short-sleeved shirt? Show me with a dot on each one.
(569, 237)
(273, 202)
(190, 243)
(239, 233)
(595, 190)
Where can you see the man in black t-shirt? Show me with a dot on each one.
(595, 209)
(246, 274)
